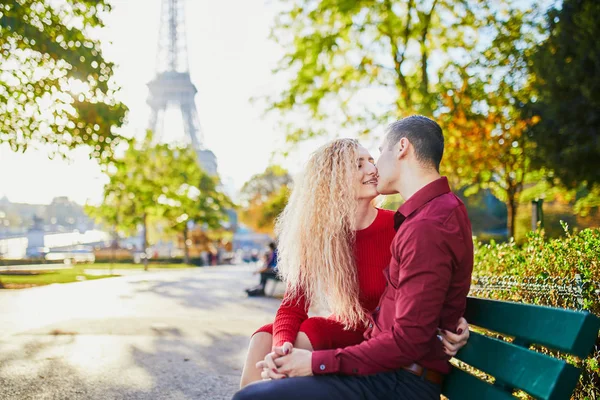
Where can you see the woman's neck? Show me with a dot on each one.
(365, 214)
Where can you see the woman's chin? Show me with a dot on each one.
(370, 195)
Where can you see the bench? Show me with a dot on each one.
(276, 279)
(513, 365)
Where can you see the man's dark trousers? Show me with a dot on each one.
(396, 385)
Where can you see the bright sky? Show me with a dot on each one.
(230, 62)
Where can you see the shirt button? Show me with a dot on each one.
(322, 367)
(377, 308)
(370, 325)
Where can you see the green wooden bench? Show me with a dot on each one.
(513, 365)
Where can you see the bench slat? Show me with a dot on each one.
(573, 332)
(459, 385)
(540, 375)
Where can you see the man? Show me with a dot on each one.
(427, 283)
(269, 271)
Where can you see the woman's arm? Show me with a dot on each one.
(290, 315)
(453, 342)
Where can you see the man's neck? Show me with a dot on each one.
(365, 214)
(416, 181)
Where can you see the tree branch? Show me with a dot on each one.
(424, 55)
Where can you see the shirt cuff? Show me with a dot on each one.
(324, 362)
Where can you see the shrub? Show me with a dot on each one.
(561, 272)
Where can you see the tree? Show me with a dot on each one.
(566, 94)
(487, 149)
(56, 88)
(487, 143)
(190, 195)
(264, 197)
(132, 194)
(358, 64)
(162, 182)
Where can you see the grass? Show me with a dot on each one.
(137, 266)
(75, 274)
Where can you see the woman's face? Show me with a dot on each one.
(367, 175)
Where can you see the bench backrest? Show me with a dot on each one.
(513, 365)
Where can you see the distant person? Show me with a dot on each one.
(269, 270)
(335, 248)
(254, 256)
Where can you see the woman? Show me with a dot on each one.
(333, 247)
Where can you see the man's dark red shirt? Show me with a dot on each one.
(428, 280)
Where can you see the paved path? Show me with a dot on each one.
(179, 334)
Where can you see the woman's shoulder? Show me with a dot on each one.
(383, 221)
(382, 213)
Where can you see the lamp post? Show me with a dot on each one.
(537, 214)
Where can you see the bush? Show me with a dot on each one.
(572, 261)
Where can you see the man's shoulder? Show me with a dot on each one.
(441, 209)
(435, 215)
(420, 228)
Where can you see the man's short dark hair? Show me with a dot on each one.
(424, 134)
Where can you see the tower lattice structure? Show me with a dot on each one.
(172, 85)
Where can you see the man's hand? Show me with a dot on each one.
(297, 363)
(453, 342)
(268, 364)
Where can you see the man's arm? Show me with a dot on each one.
(424, 277)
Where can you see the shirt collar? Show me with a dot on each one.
(420, 198)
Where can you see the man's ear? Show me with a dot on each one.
(402, 148)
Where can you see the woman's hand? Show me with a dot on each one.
(268, 364)
(453, 342)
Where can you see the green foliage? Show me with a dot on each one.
(264, 197)
(188, 193)
(361, 64)
(134, 186)
(358, 64)
(56, 88)
(76, 273)
(391, 202)
(161, 182)
(563, 259)
(261, 186)
(487, 143)
(588, 199)
(576, 253)
(566, 93)
(274, 206)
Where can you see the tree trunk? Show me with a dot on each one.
(512, 214)
(113, 248)
(398, 56)
(145, 241)
(186, 250)
(425, 61)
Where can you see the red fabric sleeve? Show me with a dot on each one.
(290, 315)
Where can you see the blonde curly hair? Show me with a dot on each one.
(316, 233)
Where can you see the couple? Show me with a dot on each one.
(392, 280)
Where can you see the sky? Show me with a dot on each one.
(231, 60)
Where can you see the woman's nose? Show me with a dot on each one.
(372, 169)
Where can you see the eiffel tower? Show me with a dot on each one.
(173, 86)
